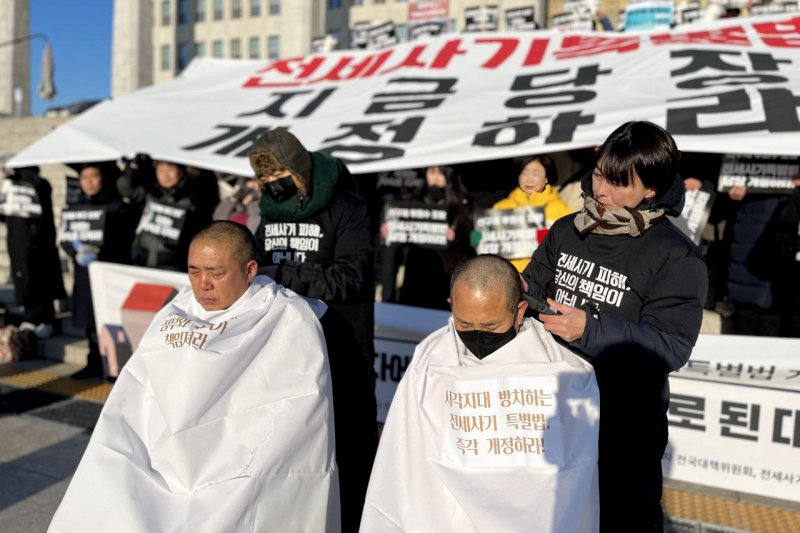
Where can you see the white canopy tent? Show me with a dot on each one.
(724, 86)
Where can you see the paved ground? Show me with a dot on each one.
(46, 420)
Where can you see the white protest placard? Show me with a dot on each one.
(696, 210)
(502, 422)
(759, 173)
(510, 233)
(19, 200)
(416, 223)
(86, 225)
(163, 221)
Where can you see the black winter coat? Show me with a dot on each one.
(118, 232)
(644, 301)
(776, 258)
(158, 252)
(329, 256)
(750, 218)
(35, 265)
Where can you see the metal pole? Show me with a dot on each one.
(26, 38)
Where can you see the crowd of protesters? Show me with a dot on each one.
(751, 242)
(321, 232)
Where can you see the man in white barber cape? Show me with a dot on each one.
(222, 419)
(493, 427)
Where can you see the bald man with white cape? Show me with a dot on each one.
(507, 443)
(221, 421)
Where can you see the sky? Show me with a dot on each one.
(80, 36)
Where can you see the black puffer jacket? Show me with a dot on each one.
(644, 302)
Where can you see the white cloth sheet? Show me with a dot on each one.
(220, 421)
(503, 444)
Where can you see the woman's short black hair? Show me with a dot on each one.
(550, 169)
(643, 148)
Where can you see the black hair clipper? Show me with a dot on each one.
(539, 306)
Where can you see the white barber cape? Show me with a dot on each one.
(221, 421)
(506, 444)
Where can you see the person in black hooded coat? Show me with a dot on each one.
(316, 240)
(35, 265)
(188, 199)
(98, 192)
(630, 288)
(428, 271)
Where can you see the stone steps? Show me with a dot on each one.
(64, 349)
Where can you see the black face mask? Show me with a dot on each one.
(483, 343)
(281, 189)
(436, 194)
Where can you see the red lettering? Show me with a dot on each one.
(412, 60)
(784, 34)
(536, 52)
(505, 49)
(584, 45)
(734, 35)
(450, 50)
(296, 67)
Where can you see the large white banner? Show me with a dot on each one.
(734, 413)
(725, 86)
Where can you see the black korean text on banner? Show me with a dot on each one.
(716, 428)
(720, 87)
(696, 210)
(760, 174)
(291, 241)
(83, 224)
(521, 19)
(416, 223)
(510, 233)
(285, 105)
(392, 357)
(162, 221)
(399, 113)
(567, 89)
(19, 200)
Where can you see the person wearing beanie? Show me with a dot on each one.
(316, 240)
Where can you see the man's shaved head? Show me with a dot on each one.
(490, 272)
(242, 241)
(221, 264)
